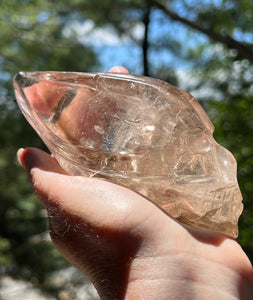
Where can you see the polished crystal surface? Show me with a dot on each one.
(139, 132)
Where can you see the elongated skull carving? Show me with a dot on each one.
(138, 132)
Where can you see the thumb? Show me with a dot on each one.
(96, 201)
(90, 220)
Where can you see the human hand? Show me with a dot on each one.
(127, 246)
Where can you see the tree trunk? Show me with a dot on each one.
(145, 44)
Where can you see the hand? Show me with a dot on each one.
(127, 246)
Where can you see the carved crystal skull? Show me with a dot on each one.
(138, 132)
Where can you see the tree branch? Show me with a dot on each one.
(243, 50)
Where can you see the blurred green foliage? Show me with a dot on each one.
(32, 38)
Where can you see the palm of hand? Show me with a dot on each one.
(127, 246)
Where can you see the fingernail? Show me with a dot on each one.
(26, 158)
(34, 158)
(19, 154)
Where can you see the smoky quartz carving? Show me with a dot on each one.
(138, 132)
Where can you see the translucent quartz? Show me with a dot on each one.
(138, 132)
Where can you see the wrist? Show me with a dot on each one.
(185, 276)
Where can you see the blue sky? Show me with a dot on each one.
(114, 50)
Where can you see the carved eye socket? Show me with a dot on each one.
(198, 141)
(202, 114)
(200, 111)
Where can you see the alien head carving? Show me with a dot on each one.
(138, 132)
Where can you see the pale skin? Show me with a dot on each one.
(127, 246)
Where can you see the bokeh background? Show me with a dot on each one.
(202, 46)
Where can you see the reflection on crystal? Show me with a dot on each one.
(138, 132)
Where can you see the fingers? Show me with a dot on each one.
(118, 70)
(96, 201)
(84, 121)
(91, 128)
(34, 158)
(44, 96)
